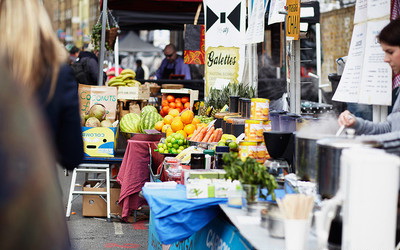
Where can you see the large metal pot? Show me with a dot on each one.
(329, 151)
(306, 156)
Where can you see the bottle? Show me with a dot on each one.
(209, 158)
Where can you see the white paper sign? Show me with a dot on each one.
(225, 22)
(376, 87)
(366, 77)
(371, 9)
(255, 30)
(274, 15)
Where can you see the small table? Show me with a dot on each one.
(134, 173)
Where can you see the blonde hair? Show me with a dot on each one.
(29, 45)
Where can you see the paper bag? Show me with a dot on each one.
(90, 95)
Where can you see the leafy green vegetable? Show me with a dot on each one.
(248, 172)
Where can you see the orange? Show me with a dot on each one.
(168, 119)
(178, 105)
(187, 116)
(172, 105)
(165, 127)
(187, 105)
(196, 121)
(165, 109)
(176, 125)
(169, 131)
(164, 103)
(179, 110)
(185, 99)
(170, 98)
(182, 133)
(189, 129)
(158, 126)
(178, 99)
(174, 112)
(178, 118)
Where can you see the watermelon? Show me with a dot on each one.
(148, 120)
(148, 108)
(130, 123)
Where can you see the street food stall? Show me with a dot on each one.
(231, 171)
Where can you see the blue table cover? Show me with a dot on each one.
(176, 218)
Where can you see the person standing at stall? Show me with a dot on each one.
(40, 66)
(172, 64)
(386, 132)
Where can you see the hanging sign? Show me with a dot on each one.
(224, 39)
(366, 77)
(222, 63)
(293, 20)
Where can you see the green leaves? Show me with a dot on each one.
(248, 172)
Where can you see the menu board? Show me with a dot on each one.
(366, 77)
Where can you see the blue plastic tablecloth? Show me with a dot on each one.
(176, 218)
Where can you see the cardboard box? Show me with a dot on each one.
(99, 141)
(95, 206)
(192, 94)
(90, 95)
(134, 93)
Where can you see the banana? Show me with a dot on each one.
(127, 76)
(128, 71)
(114, 84)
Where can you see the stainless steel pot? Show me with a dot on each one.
(329, 151)
(306, 156)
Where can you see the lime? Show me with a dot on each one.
(181, 147)
(165, 146)
(169, 145)
(180, 142)
(173, 151)
(161, 150)
(179, 151)
(221, 143)
(175, 146)
(233, 145)
(160, 145)
(168, 139)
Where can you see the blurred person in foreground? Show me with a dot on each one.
(172, 64)
(386, 132)
(40, 66)
(31, 210)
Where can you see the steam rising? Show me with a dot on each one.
(325, 126)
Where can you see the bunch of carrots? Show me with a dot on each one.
(206, 134)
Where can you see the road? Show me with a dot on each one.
(96, 233)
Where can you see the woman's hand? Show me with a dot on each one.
(347, 119)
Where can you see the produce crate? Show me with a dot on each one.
(192, 94)
(134, 93)
(95, 206)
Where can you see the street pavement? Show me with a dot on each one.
(96, 233)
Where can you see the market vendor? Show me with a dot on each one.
(172, 65)
(387, 132)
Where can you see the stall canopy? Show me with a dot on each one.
(131, 42)
(154, 14)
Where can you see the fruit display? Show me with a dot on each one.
(204, 119)
(96, 117)
(206, 134)
(172, 102)
(183, 123)
(230, 141)
(135, 123)
(173, 144)
(126, 78)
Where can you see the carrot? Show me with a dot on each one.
(195, 133)
(207, 136)
(213, 136)
(201, 134)
(218, 138)
(198, 134)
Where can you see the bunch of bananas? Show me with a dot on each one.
(126, 78)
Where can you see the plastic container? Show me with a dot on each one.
(198, 161)
(274, 118)
(237, 126)
(219, 118)
(219, 152)
(234, 104)
(288, 122)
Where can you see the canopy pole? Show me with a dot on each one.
(102, 43)
(196, 17)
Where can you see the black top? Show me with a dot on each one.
(63, 116)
